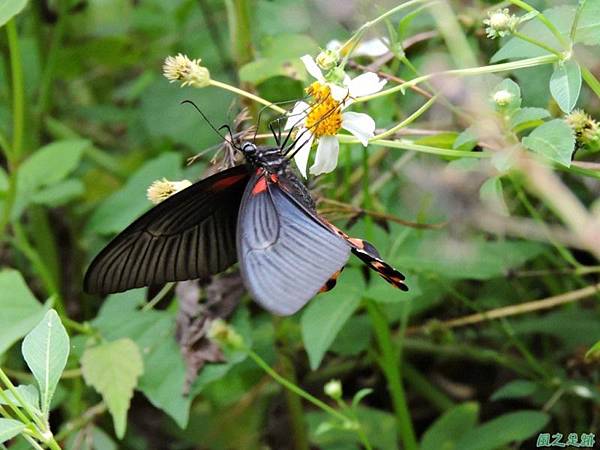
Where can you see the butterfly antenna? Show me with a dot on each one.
(204, 117)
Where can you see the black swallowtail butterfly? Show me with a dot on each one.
(259, 214)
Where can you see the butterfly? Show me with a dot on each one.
(259, 214)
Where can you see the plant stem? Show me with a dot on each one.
(494, 68)
(521, 4)
(18, 111)
(410, 119)
(295, 389)
(537, 43)
(591, 80)
(246, 94)
(390, 365)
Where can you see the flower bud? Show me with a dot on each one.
(503, 98)
(333, 389)
(161, 190)
(188, 71)
(500, 23)
(586, 129)
(225, 335)
(327, 59)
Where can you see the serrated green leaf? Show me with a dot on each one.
(20, 309)
(588, 28)
(45, 350)
(515, 389)
(113, 370)
(326, 314)
(503, 430)
(122, 207)
(9, 428)
(10, 8)
(445, 432)
(553, 140)
(524, 115)
(28, 392)
(565, 85)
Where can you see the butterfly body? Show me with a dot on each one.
(259, 214)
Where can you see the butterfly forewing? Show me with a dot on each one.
(189, 235)
(285, 255)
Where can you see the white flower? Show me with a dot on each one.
(500, 23)
(503, 97)
(188, 71)
(324, 117)
(333, 389)
(373, 47)
(161, 190)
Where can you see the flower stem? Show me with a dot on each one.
(521, 64)
(525, 6)
(390, 365)
(246, 94)
(537, 43)
(295, 389)
(410, 119)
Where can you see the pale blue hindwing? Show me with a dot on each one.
(285, 255)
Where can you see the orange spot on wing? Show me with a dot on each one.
(260, 186)
(358, 243)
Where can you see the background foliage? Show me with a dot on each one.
(500, 248)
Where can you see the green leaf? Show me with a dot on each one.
(113, 370)
(20, 310)
(491, 192)
(153, 331)
(59, 194)
(565, 85)
(515, 91)
(466, 141)
(496, 433)
(445, 432)
(593, 354)
(28, 392)
(476, 259)
(9, 428)
(588, 28)
(52, 163)
(379, 426)
(515, 389)
(46, 167)
(10, 8)
(122, 207)
(45, 350)
(554, 140)
(326, 314)
(525, 115)
(516, 48)
(84, 440)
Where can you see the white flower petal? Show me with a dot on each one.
(302, 149)
(365, 84)
(361, 125)
(297, 116)
(327, 155)
(372, 47)
(338, 93)
(333, 45)
(312, 68)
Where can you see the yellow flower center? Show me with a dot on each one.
(325, 116)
